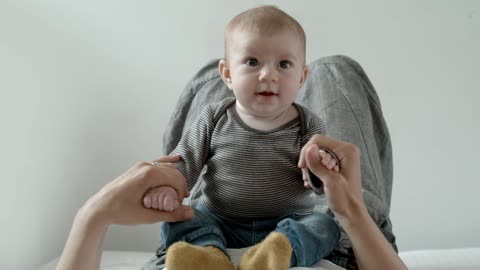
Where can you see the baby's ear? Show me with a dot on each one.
(304, 75)
(225, 73)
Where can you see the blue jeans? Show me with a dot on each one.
(312, 237)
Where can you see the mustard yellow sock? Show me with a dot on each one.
(185, 256)
(273, 253)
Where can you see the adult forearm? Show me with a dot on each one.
(371, 249)
(119, 202)
(84, 246)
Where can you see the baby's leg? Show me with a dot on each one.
(163, 198)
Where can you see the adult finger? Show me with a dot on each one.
(301, 159)
(182, 213)
(167, 159)
(322, 142)
(326, 142)
(163, 175)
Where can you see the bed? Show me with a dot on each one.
(433, 259)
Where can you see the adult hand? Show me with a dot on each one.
(343, 188)
(120, 201)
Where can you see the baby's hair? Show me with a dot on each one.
(266, 20)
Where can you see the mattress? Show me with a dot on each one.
(458, 259)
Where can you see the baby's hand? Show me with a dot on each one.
(163, 198)
(329, 161)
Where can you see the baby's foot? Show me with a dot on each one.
(163, 198)
(185, 256)
(273, 253)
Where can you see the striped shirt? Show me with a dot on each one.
(248, 173)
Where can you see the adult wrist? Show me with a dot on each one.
(91, 214)
(354, 215)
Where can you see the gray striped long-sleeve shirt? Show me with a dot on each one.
(248, 173)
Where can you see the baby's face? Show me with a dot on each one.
(265, 72)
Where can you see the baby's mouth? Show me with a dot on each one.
(267, 93)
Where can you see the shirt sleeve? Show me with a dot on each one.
(194, 146)
(314, 125)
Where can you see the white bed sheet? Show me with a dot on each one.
(443, 259)
(125, 260)
(454, 259)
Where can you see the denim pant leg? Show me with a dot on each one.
(312, 237)
(202, 230)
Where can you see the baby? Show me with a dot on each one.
(246, 150)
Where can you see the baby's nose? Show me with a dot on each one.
(268, 73)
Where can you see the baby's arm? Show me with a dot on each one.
(163, 198)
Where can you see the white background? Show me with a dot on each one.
(87, 88)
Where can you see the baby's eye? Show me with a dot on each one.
(252, 62)
(285, 64)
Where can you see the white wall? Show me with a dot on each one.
(87, 88)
